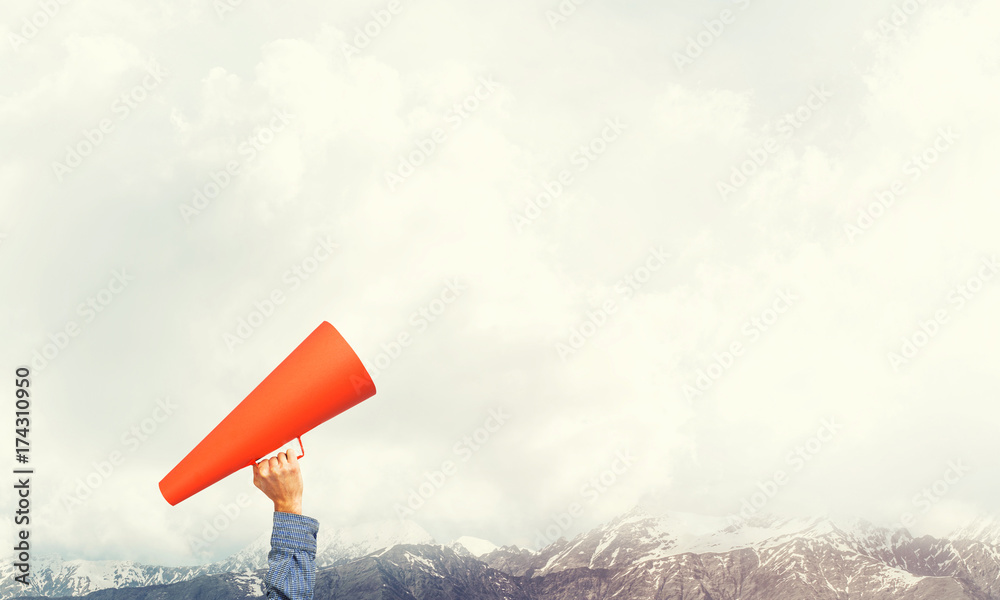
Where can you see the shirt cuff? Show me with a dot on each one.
(294, 532)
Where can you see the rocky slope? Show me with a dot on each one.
(53, 577)
(640, 556)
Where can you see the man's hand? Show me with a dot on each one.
(281, 480)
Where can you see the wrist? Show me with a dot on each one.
(293, 507)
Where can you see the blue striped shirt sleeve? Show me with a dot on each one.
(291, 572)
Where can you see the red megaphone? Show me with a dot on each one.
(320, 379)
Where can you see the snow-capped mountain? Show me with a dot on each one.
(332, 545)
(637, 556)
(637, 537)
(684, 556)
(473, 545)
(52, 576)
(56, 577)
(984, 529)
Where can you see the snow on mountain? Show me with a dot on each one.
(666, 555)
(985, 529)
(639, 536)
(53, 576)
(251, 585)
(637, 555)
(475, 546)
(251, 557)
(333, 545)
(344, 544)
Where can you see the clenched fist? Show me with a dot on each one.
(281, 480)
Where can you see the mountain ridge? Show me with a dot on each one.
(637, 555)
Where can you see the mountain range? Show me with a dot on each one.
(675, 556)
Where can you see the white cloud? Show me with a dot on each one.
(324, 174)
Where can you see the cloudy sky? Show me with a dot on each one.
(689, 252)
